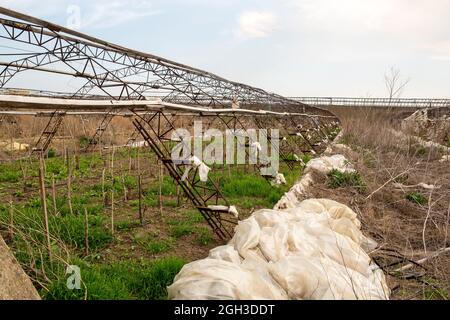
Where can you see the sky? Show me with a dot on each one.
(291, 47)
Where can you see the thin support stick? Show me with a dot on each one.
(55, 208)
(11, 220)
(141, 214)
(44, 203)
(69, 187)
(86, 232)
(112, 212)
(161, 179)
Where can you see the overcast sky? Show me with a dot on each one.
(292, 47)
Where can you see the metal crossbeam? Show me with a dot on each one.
(373, 102)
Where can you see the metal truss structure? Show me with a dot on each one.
(157, 95)
(373, 102)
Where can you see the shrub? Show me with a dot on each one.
(51, 153)
(83, 141)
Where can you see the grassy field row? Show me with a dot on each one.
(134, 261)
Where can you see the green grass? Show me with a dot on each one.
(119, 280)
(67, 228)
(248, 189)
(9, 176)
(417, 198)
(168, 188)
(337, 179)
(194, 216)
(125, 225)
(432, 293)
(159, 246)
(181, 230)
(170, 203)
(113, 280)
(204, 236)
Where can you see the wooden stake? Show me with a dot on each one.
(66, 158)
(103, 187)
(141, 214)
(112, 212)
(11, 220)
(24, 176)
(130, 162)
(125, 191)
(160, 187)
(69, 187)
(44, 203)
(112, 164)
(178, 196)
(77, 161)
(138, 165)
(86, 232)
(55, 209)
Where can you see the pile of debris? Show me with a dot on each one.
(303, 249)
(430, 124)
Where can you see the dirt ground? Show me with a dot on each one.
(405, 230)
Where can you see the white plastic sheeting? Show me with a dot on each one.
(314, 251)
(14, 146)
(203, 169)
(230, 209)
(279, 179)
(311, 249)
(322, 165)
(137, 144)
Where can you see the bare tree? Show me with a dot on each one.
(394, 83)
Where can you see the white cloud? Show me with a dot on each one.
(254, 24)
(43, 8)
(403, 18)
(86, 14)
(110, 13)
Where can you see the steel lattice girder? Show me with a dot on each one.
(108, 67)
(71, 48)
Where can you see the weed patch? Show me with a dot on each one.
(417, 198)
(337, 179)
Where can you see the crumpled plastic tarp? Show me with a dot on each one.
(321, 165)
(279, 179)
(313, 251)
(203, 169)
(230, 209)
(14, 146)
